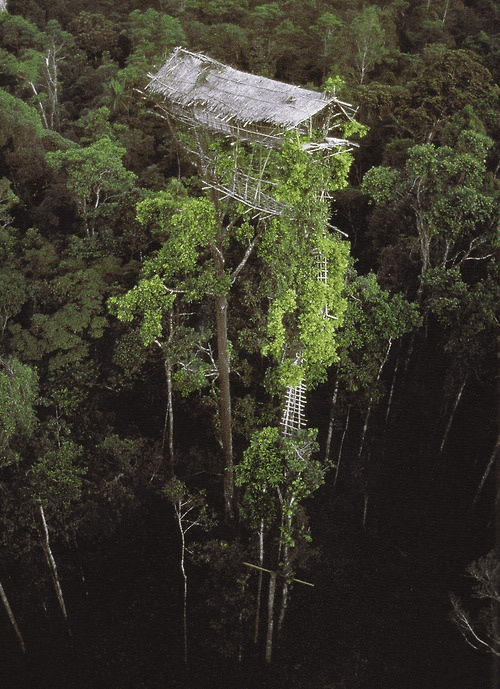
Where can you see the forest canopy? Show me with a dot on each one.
(235, 437)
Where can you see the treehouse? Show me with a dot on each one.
(214, 101)
(232, 124)
(212, 96)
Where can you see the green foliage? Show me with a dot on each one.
(228, 596)
(18, 121)
(94, 33)
(379, 183)
(469, 315)
(151, 299)
(306, 266)
(171, 277)
(368, 36)
(75, 315)
(278, 473)
(187, 227)
(96, 175)
(225, 42)
(444, 189)
(191, 507)
(373, 319)
(154, 34)
(13, 294)
(17, 33)
(18, 397)
(56, 480)
(327, 27)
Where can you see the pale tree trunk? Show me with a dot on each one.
(12, 619)
(365, 509)
(40, 105)
(452, 415)
(370, 402)
(285, 592)
(169, 417)
(445, 13)
(270, 617)
(259, 585)
(331, 421)
(487, 470)
(53, 567)
(393, 386)
(339, 457)
(185, 592)
(285, 559)
(52, 86)
(425, 237)
(50, 112)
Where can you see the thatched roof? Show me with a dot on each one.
(220, 98)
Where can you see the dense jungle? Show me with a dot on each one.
(157, 529)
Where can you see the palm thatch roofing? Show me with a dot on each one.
(207, 93)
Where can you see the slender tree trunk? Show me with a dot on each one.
(12, 619)
(450, 419)
(184, 600)
(53, 567)
(285, 558)
(368, 411)
(365, 509)
(52, 86)
(223, 362)
(445, 13)
(346, 426)
(270, 617)
(487, 470)
(331, 421)
(223, 366)
(259, 585)
(169, 420)
(393, 386)
(365, 427)
(40, 105)
(285, 590)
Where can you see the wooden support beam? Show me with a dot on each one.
(280, 574)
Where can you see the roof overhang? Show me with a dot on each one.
(218, 97)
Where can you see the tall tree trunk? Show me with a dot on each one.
(452, 414)
(339, 457)
(223, 362)
(52, 86)
(259, 585)
(12, 619)
(270, 617)
(53, 567)
(169, 417)
(223, 366)
(370, 403)
(331, 421)
(284, 557)
(393, 386)
(365, 509)
(184, 598)
(487, 470)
